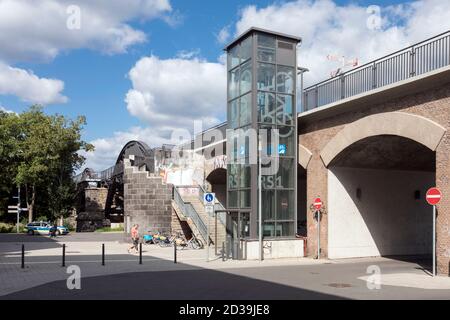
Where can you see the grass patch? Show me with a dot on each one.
(109, 229)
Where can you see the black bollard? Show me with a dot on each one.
(23, 256)
(223, 251)
(140, 253)
(175, 252)
(64, 255)
(103, 254)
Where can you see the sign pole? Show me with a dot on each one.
(209, 199)
(434, 241)
(433, 197)
(207, 235)
(318, 234)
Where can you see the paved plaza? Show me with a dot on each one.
(158, 277)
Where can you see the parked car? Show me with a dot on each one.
(42, 227)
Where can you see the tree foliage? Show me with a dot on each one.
(41, 153)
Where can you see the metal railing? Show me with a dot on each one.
(189, 211)
(418, 59)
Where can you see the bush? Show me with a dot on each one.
(10, 228)
(6, 228)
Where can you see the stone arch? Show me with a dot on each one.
(414, 127)
(304, 156)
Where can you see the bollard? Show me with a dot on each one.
(103, 254)
(223, 251)
(23, 256)
(175, 252)
(64, 255)
(140, 253)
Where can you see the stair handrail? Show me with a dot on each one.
(189, 211)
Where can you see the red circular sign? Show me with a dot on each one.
(434, 195)
(317, 203)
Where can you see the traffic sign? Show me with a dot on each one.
(13, 209)
(317, 203)
(209, 199)
(433, 196)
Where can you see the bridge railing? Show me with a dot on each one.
(418, 59)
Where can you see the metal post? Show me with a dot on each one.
(103, 254)
(23, 256)
(18, 209)
(207, 234)
(64, 255)
(239, 237)
(215, 233)
(175, 252)
(318, 234)
(260, 233)
(223, 251)
(434, 241)
(140, 253)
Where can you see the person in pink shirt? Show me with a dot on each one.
(134, 239)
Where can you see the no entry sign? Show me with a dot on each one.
(317, 203)
(433, 197)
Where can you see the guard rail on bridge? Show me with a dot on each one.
(420, 58)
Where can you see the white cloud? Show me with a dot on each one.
(329, 28)
(173, 93)
(107, 149)
(30, 88)
(167, 95)
(38, 31)
(224, 35)
(31, 30)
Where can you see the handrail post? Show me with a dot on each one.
(374, 75)
(316, 90)
(342, 86)
(412, 55)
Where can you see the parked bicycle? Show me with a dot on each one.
(195, 243)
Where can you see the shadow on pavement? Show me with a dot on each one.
(201, 284)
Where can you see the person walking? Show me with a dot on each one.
(53, 230)
(134, 239)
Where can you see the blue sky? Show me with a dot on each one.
(96, 82)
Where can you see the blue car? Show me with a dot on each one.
(43, 228)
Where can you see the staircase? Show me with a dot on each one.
(189, 207)
(221, 230)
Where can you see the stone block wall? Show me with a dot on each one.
(147, 201)
(93, 216)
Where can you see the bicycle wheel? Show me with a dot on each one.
(199, 243)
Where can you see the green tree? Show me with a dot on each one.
(48, 150)
(10, 135)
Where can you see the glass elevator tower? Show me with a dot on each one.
(262, 68)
